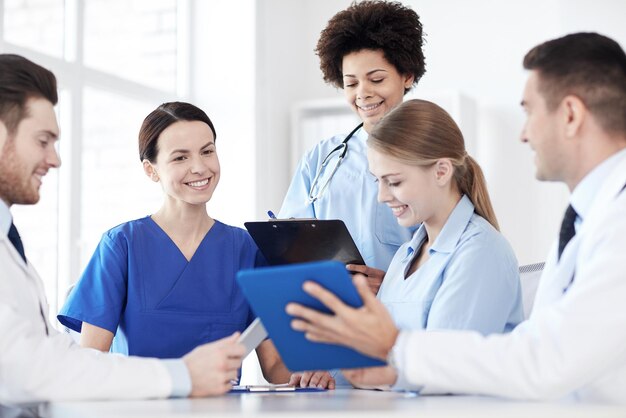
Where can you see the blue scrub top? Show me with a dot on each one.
(351, 197)
(139, 286)
(470, 281)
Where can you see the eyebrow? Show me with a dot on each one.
(49, 133)
(184, 151)
(368, 73)
(386, 175)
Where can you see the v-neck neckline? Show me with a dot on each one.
(162, 231)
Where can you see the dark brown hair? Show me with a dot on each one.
(20, 80)
(419, 133)
(162, 117)
(376, 25)
(589, 66)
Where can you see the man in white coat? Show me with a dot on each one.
(36, 361)
(574, 343)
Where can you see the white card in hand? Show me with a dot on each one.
(252, 336)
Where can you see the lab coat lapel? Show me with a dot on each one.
(558, 274)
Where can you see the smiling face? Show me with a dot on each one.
(28, 154)
(372, 85)
(541, 132)
(186, 164)
(412, 192)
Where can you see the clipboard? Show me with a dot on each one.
(282, 388)
(269, 289)
(289, 241)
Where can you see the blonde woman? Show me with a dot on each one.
(457, 271)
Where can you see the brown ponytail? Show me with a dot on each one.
(419, 132)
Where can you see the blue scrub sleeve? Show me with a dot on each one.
(99, 296)
(480, 289)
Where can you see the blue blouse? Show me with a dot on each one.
(139, 286)
(351, 196)
(470, 280)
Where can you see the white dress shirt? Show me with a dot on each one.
(574, 343)
(35, 366)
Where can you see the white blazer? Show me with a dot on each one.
(574, 343)
(34, 366)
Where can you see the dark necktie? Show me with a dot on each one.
(15, 239)
(567, 228)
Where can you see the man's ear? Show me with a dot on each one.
(150, 171)
(444, 171)
(573, 112)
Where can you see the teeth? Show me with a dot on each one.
(199, 183)
(398, 209)
(370, 107)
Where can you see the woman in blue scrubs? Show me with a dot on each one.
(161, 285)
(458, 271)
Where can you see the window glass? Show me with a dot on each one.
(133, 39)
(35, 24)
(114, 186)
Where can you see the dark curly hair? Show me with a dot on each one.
(377, 25)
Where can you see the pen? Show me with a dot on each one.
(271, 214)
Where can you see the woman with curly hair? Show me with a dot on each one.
(373, 51)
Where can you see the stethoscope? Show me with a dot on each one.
(342, 149)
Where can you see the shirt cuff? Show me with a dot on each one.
(398, 356)
(181, 381)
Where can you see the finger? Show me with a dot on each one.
(315, 333)
(309, 315)
(357, 267)
(361, 284)
(315, 379)
(331, 383)
(323, 337)
(294, 379)
(331, 301)
(231, 338)
(324, 380)
(236, 351)
(305, 379)
(233, 364)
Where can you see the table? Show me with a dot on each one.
(331, 404)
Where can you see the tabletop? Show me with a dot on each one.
(330, 404)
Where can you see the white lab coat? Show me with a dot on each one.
(574, 343)
(34, 366)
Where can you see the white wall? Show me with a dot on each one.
(474, 47)
(223, 76)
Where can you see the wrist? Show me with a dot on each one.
(389, 344)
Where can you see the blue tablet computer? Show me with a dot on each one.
(270, 289)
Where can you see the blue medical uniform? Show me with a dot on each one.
(470, 280)
(351, 196)
(139, 286)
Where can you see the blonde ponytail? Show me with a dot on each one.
(471, 182)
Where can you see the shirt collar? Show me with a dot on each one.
(583, 195)
(5, 218)
(451, 232)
